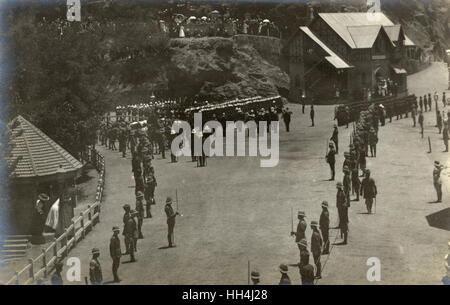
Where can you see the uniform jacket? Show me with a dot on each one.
(437, 176)
(114, 247)
(307, 275)
(316, 243)
(347, 184)
(368, 188)
(95, 272)
(331, 156)
(131, 228)
(301, 228)
(170, 213)
(324, 221)
(304, 258)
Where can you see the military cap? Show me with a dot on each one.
(126, 206)
(314, 223)
(115, 228)
(169, 200)
(301, 213)
(255, 275)
(324, 204)
(95, 251)
(43, 197)
(283, 268)
(302, 243)
(437, 163)
(139, 194)
(367, 171)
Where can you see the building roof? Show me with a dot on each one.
(364, 36)
(37, 154)
(332, 57)
(344, 24)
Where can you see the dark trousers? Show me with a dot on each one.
(287, 125)
(115, 267)
(332, 170)
(130, 243)
(373, 150)
(170, 235)
(438, 188)
(326, 241)
(446, 145)
(318, 264)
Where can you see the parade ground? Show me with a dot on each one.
(234, 211)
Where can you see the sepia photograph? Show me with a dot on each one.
(224, 143)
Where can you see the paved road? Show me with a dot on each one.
(235, 211)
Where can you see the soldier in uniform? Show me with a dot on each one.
(140, 212)
(421, 103)
(115, 252)
(284, 280)
(150, 186)
(95, 270)
(445, 137)
(331, 159)
(287, 118)
(362, 160)
(316, 247)
(324, 223)
(439, 121)
(437, 180)
(373, 140)
(368, 190)
(123, 141)
(355, 177)
(312, 115)
(346, 182)
(301, 227)
(304, 259)
(139, 181)
(421, 119)
(131, 235)
(335, 138)
(341, 204)
(255, 277)
(171, 215)
(125, 218)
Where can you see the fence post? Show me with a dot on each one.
(74, 234)
(55, 249)
(90, 216)
(66, 251)
(44, 262)
(30, 261)
(82, 225)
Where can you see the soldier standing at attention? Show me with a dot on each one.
(123, 141)
(421, 122)
(335, 138)
(368, 190)
(126, 216)
(413, 114)
(373, 140)
(95, 270)
(324, 223)
(437, 180)
(362, 160)
(115, 252)
(301, 227)
(304, 257)
(341, 204)
(347, 184)
(131, 235)
(287, 118)
(439, 122)
(150, 193)
(285, 280)
(316, 248)
(140, 213)
(445, 137)
(331, 159)
(421, 103)
(312, 114)
(171, 215)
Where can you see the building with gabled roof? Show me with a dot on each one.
(344, 55)
(37, 165)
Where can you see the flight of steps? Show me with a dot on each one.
(13, 247)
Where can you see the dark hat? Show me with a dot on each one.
(95, 251)
(43, 197)
(255, 275)
(169, 200)
(126, 206)
(139, 194)
(339, 185)
(314, 223)
(283, 268)
(301, 213)
(324, 204)
(437, 163)
(115, 228)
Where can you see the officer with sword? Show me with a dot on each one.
(171, 215)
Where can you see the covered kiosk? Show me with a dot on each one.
(41, 174)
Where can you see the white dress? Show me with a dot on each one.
(182, 32)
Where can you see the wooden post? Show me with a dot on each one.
(44, 262)
(90, 216)
(65, 242)
(30, 261)
(429, 145)
(74, 234)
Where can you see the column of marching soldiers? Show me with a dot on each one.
(363, 140)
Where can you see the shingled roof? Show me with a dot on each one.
(36, 154)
